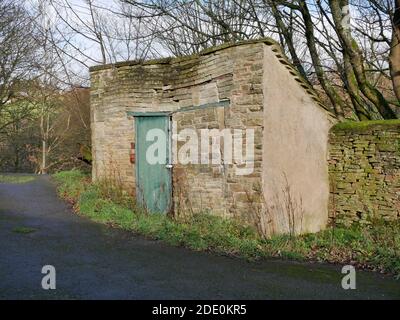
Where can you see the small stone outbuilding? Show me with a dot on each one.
(248, 89)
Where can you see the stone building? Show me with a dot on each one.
(249, 89)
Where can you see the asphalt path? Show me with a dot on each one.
(93, 261)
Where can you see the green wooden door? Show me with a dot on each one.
(153, 176)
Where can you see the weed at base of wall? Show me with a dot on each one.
(376, 248)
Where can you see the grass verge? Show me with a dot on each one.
(23, 230)
(376, 248)
(15, 179)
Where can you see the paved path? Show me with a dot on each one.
(97, 262)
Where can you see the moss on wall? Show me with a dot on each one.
(364, 167)
(365, 125)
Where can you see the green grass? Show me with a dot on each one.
(15, 179)
(23, 230)
(71, 184)
(376, 248)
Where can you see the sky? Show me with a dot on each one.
(73, 27)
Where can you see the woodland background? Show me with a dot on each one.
(348, 50)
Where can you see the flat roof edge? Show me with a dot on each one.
(169, 60)
(280, 55)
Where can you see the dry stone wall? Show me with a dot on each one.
(364, 167)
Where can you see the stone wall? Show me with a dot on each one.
(193, 89)
(243, 86)
(199, 187)
(364, 167)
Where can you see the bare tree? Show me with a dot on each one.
(350, 46)
(348, 63)
(354, 67)
(395, 49)
(18, 49)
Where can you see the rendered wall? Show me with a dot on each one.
(295, 170)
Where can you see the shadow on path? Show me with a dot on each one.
(97, 262)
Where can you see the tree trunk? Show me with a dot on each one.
(16, 160)
(334, 97)
(351, 48)
(354, 92)
(43, 131)
(43, 169)
(288, 38)
(394, 57)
